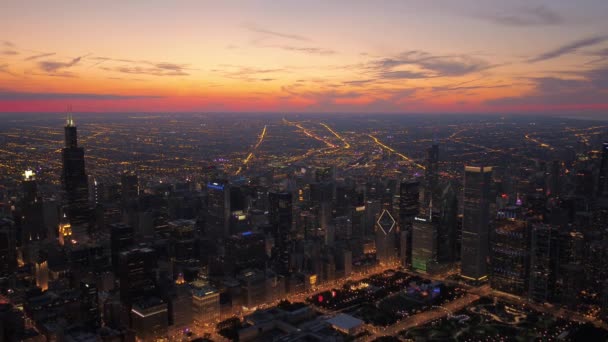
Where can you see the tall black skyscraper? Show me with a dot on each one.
(137, 274)
(129, 185)
(409, 206)
(89, 305)
(121, 238)
(448, 225)
(217, 220)
(476, 222)
(603, 178)
(8, 250)
(30, 215)
(543, 263)
(74, 179)
(280, 218)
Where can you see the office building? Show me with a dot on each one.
(137, 274)
(217, 221)
(121, 238)
(409, 207)
(431, 177)
(150, 319)
(42, 274)
(180, 307)
(424, 245)
(29, 217)
(602, 189)
(543, 263)
(89, 303)
(280, 217)
(386, 236)
(205, 304)
(447, 225)
(8, 250)
(253, 287)
(510, 256)
(129, 185)
(476, 222)
(74, 180)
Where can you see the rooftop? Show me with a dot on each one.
(345, 322)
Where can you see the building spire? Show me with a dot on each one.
(70, 119)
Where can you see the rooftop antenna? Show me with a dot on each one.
(70, 119)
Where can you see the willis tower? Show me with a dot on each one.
(74, 180)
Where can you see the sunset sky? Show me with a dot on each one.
(455, 56)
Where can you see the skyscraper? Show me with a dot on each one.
(424, 243)
(136, 273)
(42, 273)
(205, 303)
(447, 218)
(121, 238)
(409, 206)
(430, 180)
(8, 251)
(476, 222)
(386, 233)
(74, 179)
(30, 214)
(89, 302)
(603, 177)
(217, 222)
(543, 263)
(150, 319)
(510, 256)
(280, 218)
(129, 185)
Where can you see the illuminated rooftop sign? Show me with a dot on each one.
(215, 186)
(28, 174)
(386, 222)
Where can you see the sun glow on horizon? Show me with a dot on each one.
(398, 57)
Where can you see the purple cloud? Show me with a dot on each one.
(17, 96)
(264, 31)
(431, 65)
(526, 16)
(54, 66)
(569, 48)
(42, 55)
(591, 87)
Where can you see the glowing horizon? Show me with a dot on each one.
(314, 56)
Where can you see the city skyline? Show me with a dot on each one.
(196, 228)
(250, 170)
(360, 57)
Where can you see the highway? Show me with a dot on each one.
(406, 158)
(309, 133)
(341, 138)
(540, 143)
(255, 147)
